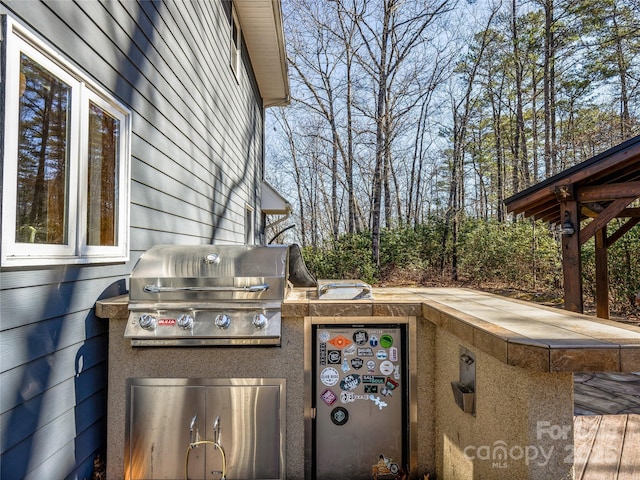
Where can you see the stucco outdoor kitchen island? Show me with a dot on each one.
(491, 379)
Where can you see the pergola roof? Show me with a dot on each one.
(596, 182)
(601, 189)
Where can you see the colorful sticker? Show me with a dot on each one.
(393, 354)
(340, 342)
(386, 340)
(350, 382)
(329, 376)
(357, 363)
(345, 365)
(334, 357)
(381, 354)
(373, 341)
(324, 336)
(329, 397)
(385, 466)
(360, 337)
(339, 416)
(391, 384)
(386, 367)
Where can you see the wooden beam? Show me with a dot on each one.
(605, 217)
(602, 274)
(610, 191)
(632, 222)
(571, 263)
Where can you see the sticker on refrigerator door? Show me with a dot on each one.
(371, 366)
(339, 416)
(349, 397)
(329, 376)
(373, 379)
(391, 384)
(334, 357)
(365, 352)
(386, 367)
(371, 389)
(386, 340)
(381, 354)
(350, 382)
(357, 363)
(323, 353)
(360, 337)
(340, 341)
(350, 350)
(329, 397)
(393, 354)
(345, 365)
(373, 340)
(379, 403)
(324, 336)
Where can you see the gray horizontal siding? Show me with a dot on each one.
(196, 161)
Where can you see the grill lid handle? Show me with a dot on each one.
(249, 288)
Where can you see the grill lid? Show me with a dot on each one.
(207, 273)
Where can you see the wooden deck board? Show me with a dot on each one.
(607, 447)
(585, 430)
(630, 458)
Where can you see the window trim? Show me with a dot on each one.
(17, 40)
(235, 52)
(249, 225)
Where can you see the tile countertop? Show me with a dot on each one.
(515, 332)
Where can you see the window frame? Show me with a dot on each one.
(235, 43)
(17, 40)
(249, 225)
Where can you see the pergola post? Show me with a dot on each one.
(571, 262)
(602, 274)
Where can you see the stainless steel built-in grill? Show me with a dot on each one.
(207, 295)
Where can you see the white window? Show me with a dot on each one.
(66, 161)
(236, 41)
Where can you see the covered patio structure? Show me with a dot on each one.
(581, 202)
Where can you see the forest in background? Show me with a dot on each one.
(412, 120)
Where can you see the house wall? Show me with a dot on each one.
(197, 150)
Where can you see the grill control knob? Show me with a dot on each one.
(222, 321)
(148, 322)
(259, 320)
(185, 322)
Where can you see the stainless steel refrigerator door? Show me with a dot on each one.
(360, 401)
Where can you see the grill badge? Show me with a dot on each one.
(166, 322)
